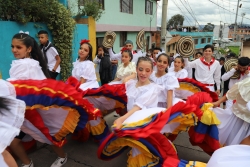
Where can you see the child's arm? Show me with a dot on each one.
(118, 122)
(58, 61)
(82, 80)
(169, 98)
(221, 100)
(132, 76)
(116, 79)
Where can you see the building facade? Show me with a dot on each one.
(125, 17)
(243, 32)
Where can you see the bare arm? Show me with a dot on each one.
(116, 79)
(58, 61)
(118, 122)
(132, 76)
(169, 98)
(221, 100)
(82, 80)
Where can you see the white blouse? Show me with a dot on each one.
(84, 69)
(167, 81)
(27, 68)
(241, 93)
(180, 74)
(123, 72)
(143, 96)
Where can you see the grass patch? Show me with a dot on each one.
(234, 49)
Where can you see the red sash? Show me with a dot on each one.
(206, 63)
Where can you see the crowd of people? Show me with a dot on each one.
(150, 82)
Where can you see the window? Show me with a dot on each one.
(208, 40)
(123, 38)
(195, 41)
(203, 40)
(126, 6)
(101, 2)
(149, 7)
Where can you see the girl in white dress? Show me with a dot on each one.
(178, 69)
(141, 93)
(127, 69)
(167, 80)
(30, 64)
(84, 68)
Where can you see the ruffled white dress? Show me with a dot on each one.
(144, 96)
(86, 70)
(235, 121)
(27, 68)
(180, 74)
(123, 72)
(168, 82)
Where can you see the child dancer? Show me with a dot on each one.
(103, 59)
(127, 69)
(167, 80)
(141, 93)
(30, 64)
(84, 68)
(178, 68)
(207, 69)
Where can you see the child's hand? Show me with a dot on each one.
(216, 104)
(118, 123)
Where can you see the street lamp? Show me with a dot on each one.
(242, 15)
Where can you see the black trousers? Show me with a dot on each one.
(52, 74)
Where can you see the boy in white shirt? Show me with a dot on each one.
(50, 54)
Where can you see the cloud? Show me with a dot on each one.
(204, 11)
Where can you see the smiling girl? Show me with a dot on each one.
(141, 93)
(127, 69)
(167, 80)
(178, 68)
(84, 68)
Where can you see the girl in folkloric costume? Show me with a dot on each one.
(178, 68)
(235, 121)
(127, 69)
(84, 68)
(207, 69)
(167, 80)
(30, 64)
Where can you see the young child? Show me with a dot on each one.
(167, 80)
(156, 51)
(178, 68)
(242, 67)
(141, 93)
(103, 59)
(30, 64)
(127, 69)
(84, 68)
(50, 54)
(207, 69)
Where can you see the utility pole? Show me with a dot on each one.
(235, 24)
(242, 14)
(164, 24)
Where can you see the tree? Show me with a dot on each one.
(208, 28)
(175, 21)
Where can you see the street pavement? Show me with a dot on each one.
(84, 154)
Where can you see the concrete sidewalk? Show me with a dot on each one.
(85, 154)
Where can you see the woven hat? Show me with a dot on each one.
(140, 39)
(185, 46)
(109, 39)
(228, 66)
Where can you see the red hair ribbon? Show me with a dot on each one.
(84, 41)
(123, 49)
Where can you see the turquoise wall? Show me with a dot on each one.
(8, 29)
(113, 16)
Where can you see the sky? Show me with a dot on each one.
(206, 11)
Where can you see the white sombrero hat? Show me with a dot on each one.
(140, 39)
(109, 39)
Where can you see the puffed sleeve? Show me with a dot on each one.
(87, 71)
(133, 67)
(149, 98)
(233, 92)
(183, 74)
(171, 82)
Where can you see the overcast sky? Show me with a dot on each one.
(205, 11)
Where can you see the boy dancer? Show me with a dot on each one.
(50, 54)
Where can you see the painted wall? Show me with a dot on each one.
(9, 28)
(113, 19)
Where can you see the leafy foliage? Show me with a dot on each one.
(51, 12)
(175, 21)
(91, 8)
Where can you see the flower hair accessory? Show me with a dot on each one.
(123, 49)
(84, 41)
(26, 32)
(158, 54)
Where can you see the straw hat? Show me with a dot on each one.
(228, 66)
(185, 46)
(140, 39)
(109, 39)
